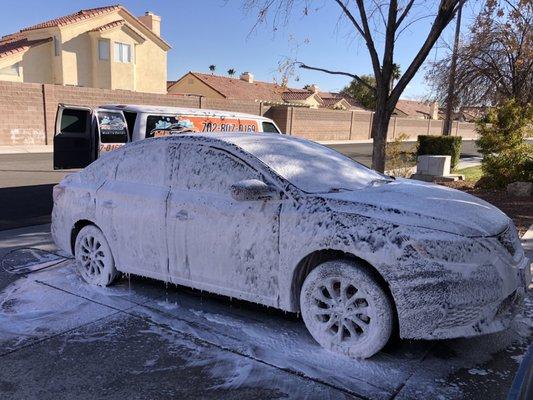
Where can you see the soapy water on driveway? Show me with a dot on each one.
(59, 335)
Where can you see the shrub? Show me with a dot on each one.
(440, 145)
(400, 161)
(507, 157)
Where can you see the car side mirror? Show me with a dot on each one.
(254, 190)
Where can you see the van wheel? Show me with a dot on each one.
(94, 259)
(345, 309)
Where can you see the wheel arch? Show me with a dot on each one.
(317, 257)
(76, 228)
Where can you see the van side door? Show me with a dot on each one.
(74, 139)
(112, 129)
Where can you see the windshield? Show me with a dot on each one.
(310, 166)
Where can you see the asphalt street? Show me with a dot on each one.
(26, 182)
(141, 339)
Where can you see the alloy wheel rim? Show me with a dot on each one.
(92, 256)
(342, 311)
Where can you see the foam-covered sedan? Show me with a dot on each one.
(291, 224)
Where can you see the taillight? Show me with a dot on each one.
(57, 192)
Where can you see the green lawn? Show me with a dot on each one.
(472, 174)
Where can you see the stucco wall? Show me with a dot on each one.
(190, 84)
(37, 64)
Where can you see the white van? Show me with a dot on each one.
(83, 133)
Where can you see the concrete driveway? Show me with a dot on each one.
(142, 339)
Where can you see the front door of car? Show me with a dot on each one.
(132, 210)
(215, 242)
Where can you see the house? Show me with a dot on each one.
(471, 113)
(417, 109)
(246, 87)
(104, 47)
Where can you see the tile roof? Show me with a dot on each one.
(111, 25)
(236, 88)
(9, 47)
(83, 15)
(296, 94)
(413, 108)
(75, 17)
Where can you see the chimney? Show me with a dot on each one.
(248, 77)
(434, 110)
(313, 88)
(152, 21)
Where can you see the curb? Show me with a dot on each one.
(26, 149)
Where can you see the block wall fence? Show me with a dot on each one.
(28, 110)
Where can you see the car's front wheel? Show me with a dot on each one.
(94, 259)
(345, 309)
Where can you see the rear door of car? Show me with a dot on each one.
(131, 209)
(74, 139)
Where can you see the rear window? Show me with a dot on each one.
(74, 121)
(113, 128)
(269, 127)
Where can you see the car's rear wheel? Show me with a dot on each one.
(94, 258)
(345, 309)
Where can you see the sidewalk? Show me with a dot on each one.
(22, 148)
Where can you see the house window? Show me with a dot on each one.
(103, 49)
(122, 52)
(57, 46)
(13, 70)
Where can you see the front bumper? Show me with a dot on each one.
(444, 301)
(475, 320)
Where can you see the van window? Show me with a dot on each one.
(162, 125)
(159, 123)
(74, 120)
(112, 127)
(269, 127)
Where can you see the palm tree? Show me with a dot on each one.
(231, 71)
(212, 68)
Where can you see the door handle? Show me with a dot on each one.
(182, 215)
(108, 204)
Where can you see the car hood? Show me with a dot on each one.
(425, 205)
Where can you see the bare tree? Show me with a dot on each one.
(495, 59)
(378, 24)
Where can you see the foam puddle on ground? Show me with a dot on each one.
(56, 299)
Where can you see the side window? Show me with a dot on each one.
(269, 127)
(101, 169)
(145, 164)
(112, 126)
(164, 125)
(207, 169)
(74, 120)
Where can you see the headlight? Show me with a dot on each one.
(510, 241)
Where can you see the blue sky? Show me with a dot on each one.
(204, 32)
